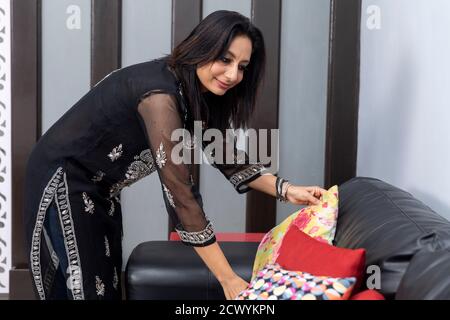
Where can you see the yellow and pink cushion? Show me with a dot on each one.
(317, 221)
(276, 283)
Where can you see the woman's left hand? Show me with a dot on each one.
(304, 195)
(233, 286)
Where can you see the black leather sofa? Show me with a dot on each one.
(408, 241)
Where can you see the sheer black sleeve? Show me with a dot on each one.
(159, 116)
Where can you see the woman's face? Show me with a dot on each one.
(225, 73)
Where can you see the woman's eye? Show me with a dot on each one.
(225, 60)
(243, 68)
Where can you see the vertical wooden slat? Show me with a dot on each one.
(106, 38)
(186, 15)
(343, 92)
(266, 15)
(25, 126)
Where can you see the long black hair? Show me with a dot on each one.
(208, 42)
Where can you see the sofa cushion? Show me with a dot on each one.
(276, 283)
(390, 224)
(301, 252)
(427, 277)
(368, 294)
(318, 221)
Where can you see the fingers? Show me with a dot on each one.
(319, 191)
(312, 200)
(316, 191)
(314, 195)
(232, 295)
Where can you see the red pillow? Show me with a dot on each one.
(368, 295)
(301, 252)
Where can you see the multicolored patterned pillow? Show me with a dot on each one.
(317, 221)
(276, 283)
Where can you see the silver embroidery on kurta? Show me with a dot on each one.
(47, 198)
(115, 279)
(169, 196)
(116, 153)
(161, 156)
(107, 252)
(57, 189)
(111, 209)
(74, 269)
(88, 204)
(190, 143)
(99, 286)
(98, 176)
(198, 237)
(141, 167)
(240, 177)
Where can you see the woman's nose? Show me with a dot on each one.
(231, 73)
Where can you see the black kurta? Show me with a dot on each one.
(101, 145)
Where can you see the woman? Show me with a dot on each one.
(119, 132)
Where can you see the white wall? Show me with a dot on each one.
(404, 112)
(66, 51)
(303, 93)
(146, 30)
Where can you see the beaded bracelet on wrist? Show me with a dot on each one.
(281, 186)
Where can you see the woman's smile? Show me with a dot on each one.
(222, 85)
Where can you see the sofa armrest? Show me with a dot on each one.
(427, 277)
(170, 270)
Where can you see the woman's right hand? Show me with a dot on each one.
(232, 286)
(299, 195)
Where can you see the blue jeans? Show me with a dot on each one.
(53, 226)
